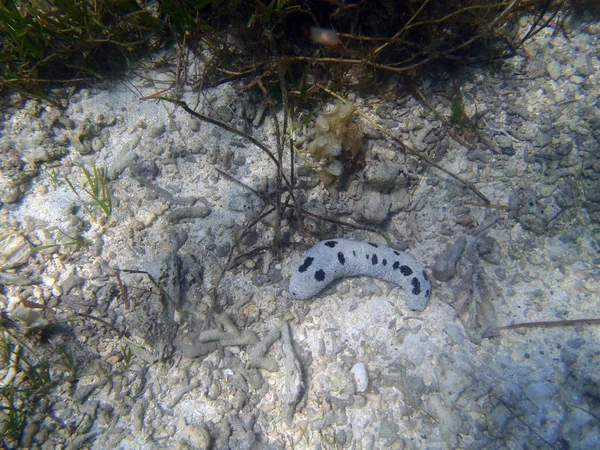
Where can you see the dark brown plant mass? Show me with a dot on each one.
(310, 42)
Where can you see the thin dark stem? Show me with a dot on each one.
(552, 323)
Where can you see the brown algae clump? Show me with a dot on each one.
(338, 139)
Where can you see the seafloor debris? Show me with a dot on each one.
(473, 304)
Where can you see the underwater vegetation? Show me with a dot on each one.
(338, 138)
(335, 43)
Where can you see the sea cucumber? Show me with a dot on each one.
(338, 258)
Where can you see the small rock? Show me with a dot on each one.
(145, 169)
(554, 69)
(75, 303)
(361, 377)
(374, 207)
(146, 217)
(454, 333)
(14, 249)
(97, 144)
(224, 113)
(355, 189)
(570, 234)
(568, 356)
(400, 200)
(499, 417)
(503, 141)
(576, 79)
(583, 65)
(157, 130)
(194, 436)
(82, 147)
(250, 238)
(188, 345)
(340, 437)
(226, 159)
(591, 190)
(137, 414)
(520, 111)
(448, 419)
(198, 148)
(576, 343)
(478, 155)
(260, 111)
(489, 250)
(194, 124)
(539, 391)
(270, 219)
(11, 193)
(120, 162)
(530, 213)
(444, 267)
(412, 388)
(381, 175)
(222, 251)
(239, 159)
(192, 212)
(388, 429)
(214, 390)
(29, 431)
(70, 283)
(542, 139)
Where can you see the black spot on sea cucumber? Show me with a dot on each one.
(320, 275)
(367, 255)
(374, 259)
(331, 244)
(396, 253)
(372, 245)
(427, 293)
(306, 264)
(341, 258)
(405, 270)
(353, 252)
(425, 275)
(384, 262)
(416, 286)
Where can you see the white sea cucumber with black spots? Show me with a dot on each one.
(339, 258)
